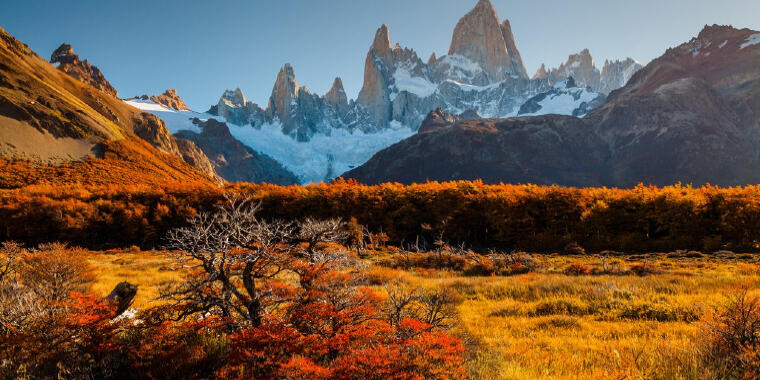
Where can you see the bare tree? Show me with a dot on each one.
(400, 300)
(312, 232)
(236, 255)
(435, 307)
(232, 250)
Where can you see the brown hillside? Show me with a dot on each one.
(84, 134)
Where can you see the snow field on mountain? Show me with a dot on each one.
(175, 120)
(751, 40)
(565, 101)
(419, 86)
(322, 158)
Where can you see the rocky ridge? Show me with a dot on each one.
(54, 123)
(169, 99)
(68, 62)
(582, 68)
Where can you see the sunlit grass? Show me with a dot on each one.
(149, 270)
(557, 326)
(547, 324)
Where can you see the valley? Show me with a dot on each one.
(456, 219)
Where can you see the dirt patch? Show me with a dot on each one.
(21, 140)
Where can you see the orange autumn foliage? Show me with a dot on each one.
(131, 161)
(522, 217)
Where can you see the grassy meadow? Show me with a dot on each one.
(566, 317)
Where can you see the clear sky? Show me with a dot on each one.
(203, 47)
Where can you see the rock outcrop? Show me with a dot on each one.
(170, 99)
(541, 73)
(153, 130)
(337, 98)
(615, 74)
(194, 156)
(232, 160)
(68, 62)
(564, 98)
(580, 67)
(437, 118)
(374, 95)
(514, 54)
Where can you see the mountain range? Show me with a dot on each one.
(691, 115)
(482, 73)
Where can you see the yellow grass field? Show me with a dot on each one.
(551, 323)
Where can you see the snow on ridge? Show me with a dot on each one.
(175, 120)
(461, 62)
(751, 40)
(564, 101)
(722, 45)
(419, 86)
(472, 87)
(460, 67)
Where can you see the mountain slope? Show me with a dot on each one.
(232, 160)
(85, 135)
(692, 115)
(552, 149)
(208, 135)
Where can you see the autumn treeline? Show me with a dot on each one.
(514, 217)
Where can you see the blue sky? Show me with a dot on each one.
(203, 47)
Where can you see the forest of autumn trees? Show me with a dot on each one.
(512, 217)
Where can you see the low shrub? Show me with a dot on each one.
(559, 322)
(578, 270)
(503, 265)
(659, 311)
(731, 338)
(644, 269)
(426, 261)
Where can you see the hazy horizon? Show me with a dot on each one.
(204, 48)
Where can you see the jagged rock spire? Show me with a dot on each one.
(541, 73)
(432, 59)
(233, 98)
(374, 94)
(381, 46)
(285, 90)
(514, 54)
(336, 97)
(479, 37)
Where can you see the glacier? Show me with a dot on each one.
(322, 158)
